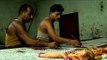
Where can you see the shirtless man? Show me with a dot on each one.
(46, 29)
(16, 34)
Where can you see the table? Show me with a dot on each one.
(28, 53)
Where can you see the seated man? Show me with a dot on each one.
(46, 29)
(16, 34)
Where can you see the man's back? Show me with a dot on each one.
(11, 38)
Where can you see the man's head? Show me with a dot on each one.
(26, 12)
(56, 11)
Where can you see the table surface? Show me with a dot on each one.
(28, 53)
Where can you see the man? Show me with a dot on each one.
(46, 28)
(16, 34)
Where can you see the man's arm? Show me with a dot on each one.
(24, 36)
(56, 38)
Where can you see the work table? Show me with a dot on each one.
(31, 53)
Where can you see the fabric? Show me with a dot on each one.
(42, 36)
(11, 40)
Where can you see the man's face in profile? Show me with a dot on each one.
(28, 15)
(56, 15)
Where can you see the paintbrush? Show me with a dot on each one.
(77, 39)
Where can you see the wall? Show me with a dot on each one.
(92, 15)
(92, 18)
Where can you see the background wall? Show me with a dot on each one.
(92, 15)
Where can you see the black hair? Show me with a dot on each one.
(24, 8)
(56, 7)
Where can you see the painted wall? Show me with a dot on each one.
(92, 15)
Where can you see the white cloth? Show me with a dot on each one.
(42, 36)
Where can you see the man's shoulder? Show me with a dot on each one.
(10, 28)
(46, 18)
(15, 23)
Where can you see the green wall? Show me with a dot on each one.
(92, 18)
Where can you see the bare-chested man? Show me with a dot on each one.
(46, 29)
(16, 34)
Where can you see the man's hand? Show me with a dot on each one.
(75, 43)
(53, 45)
